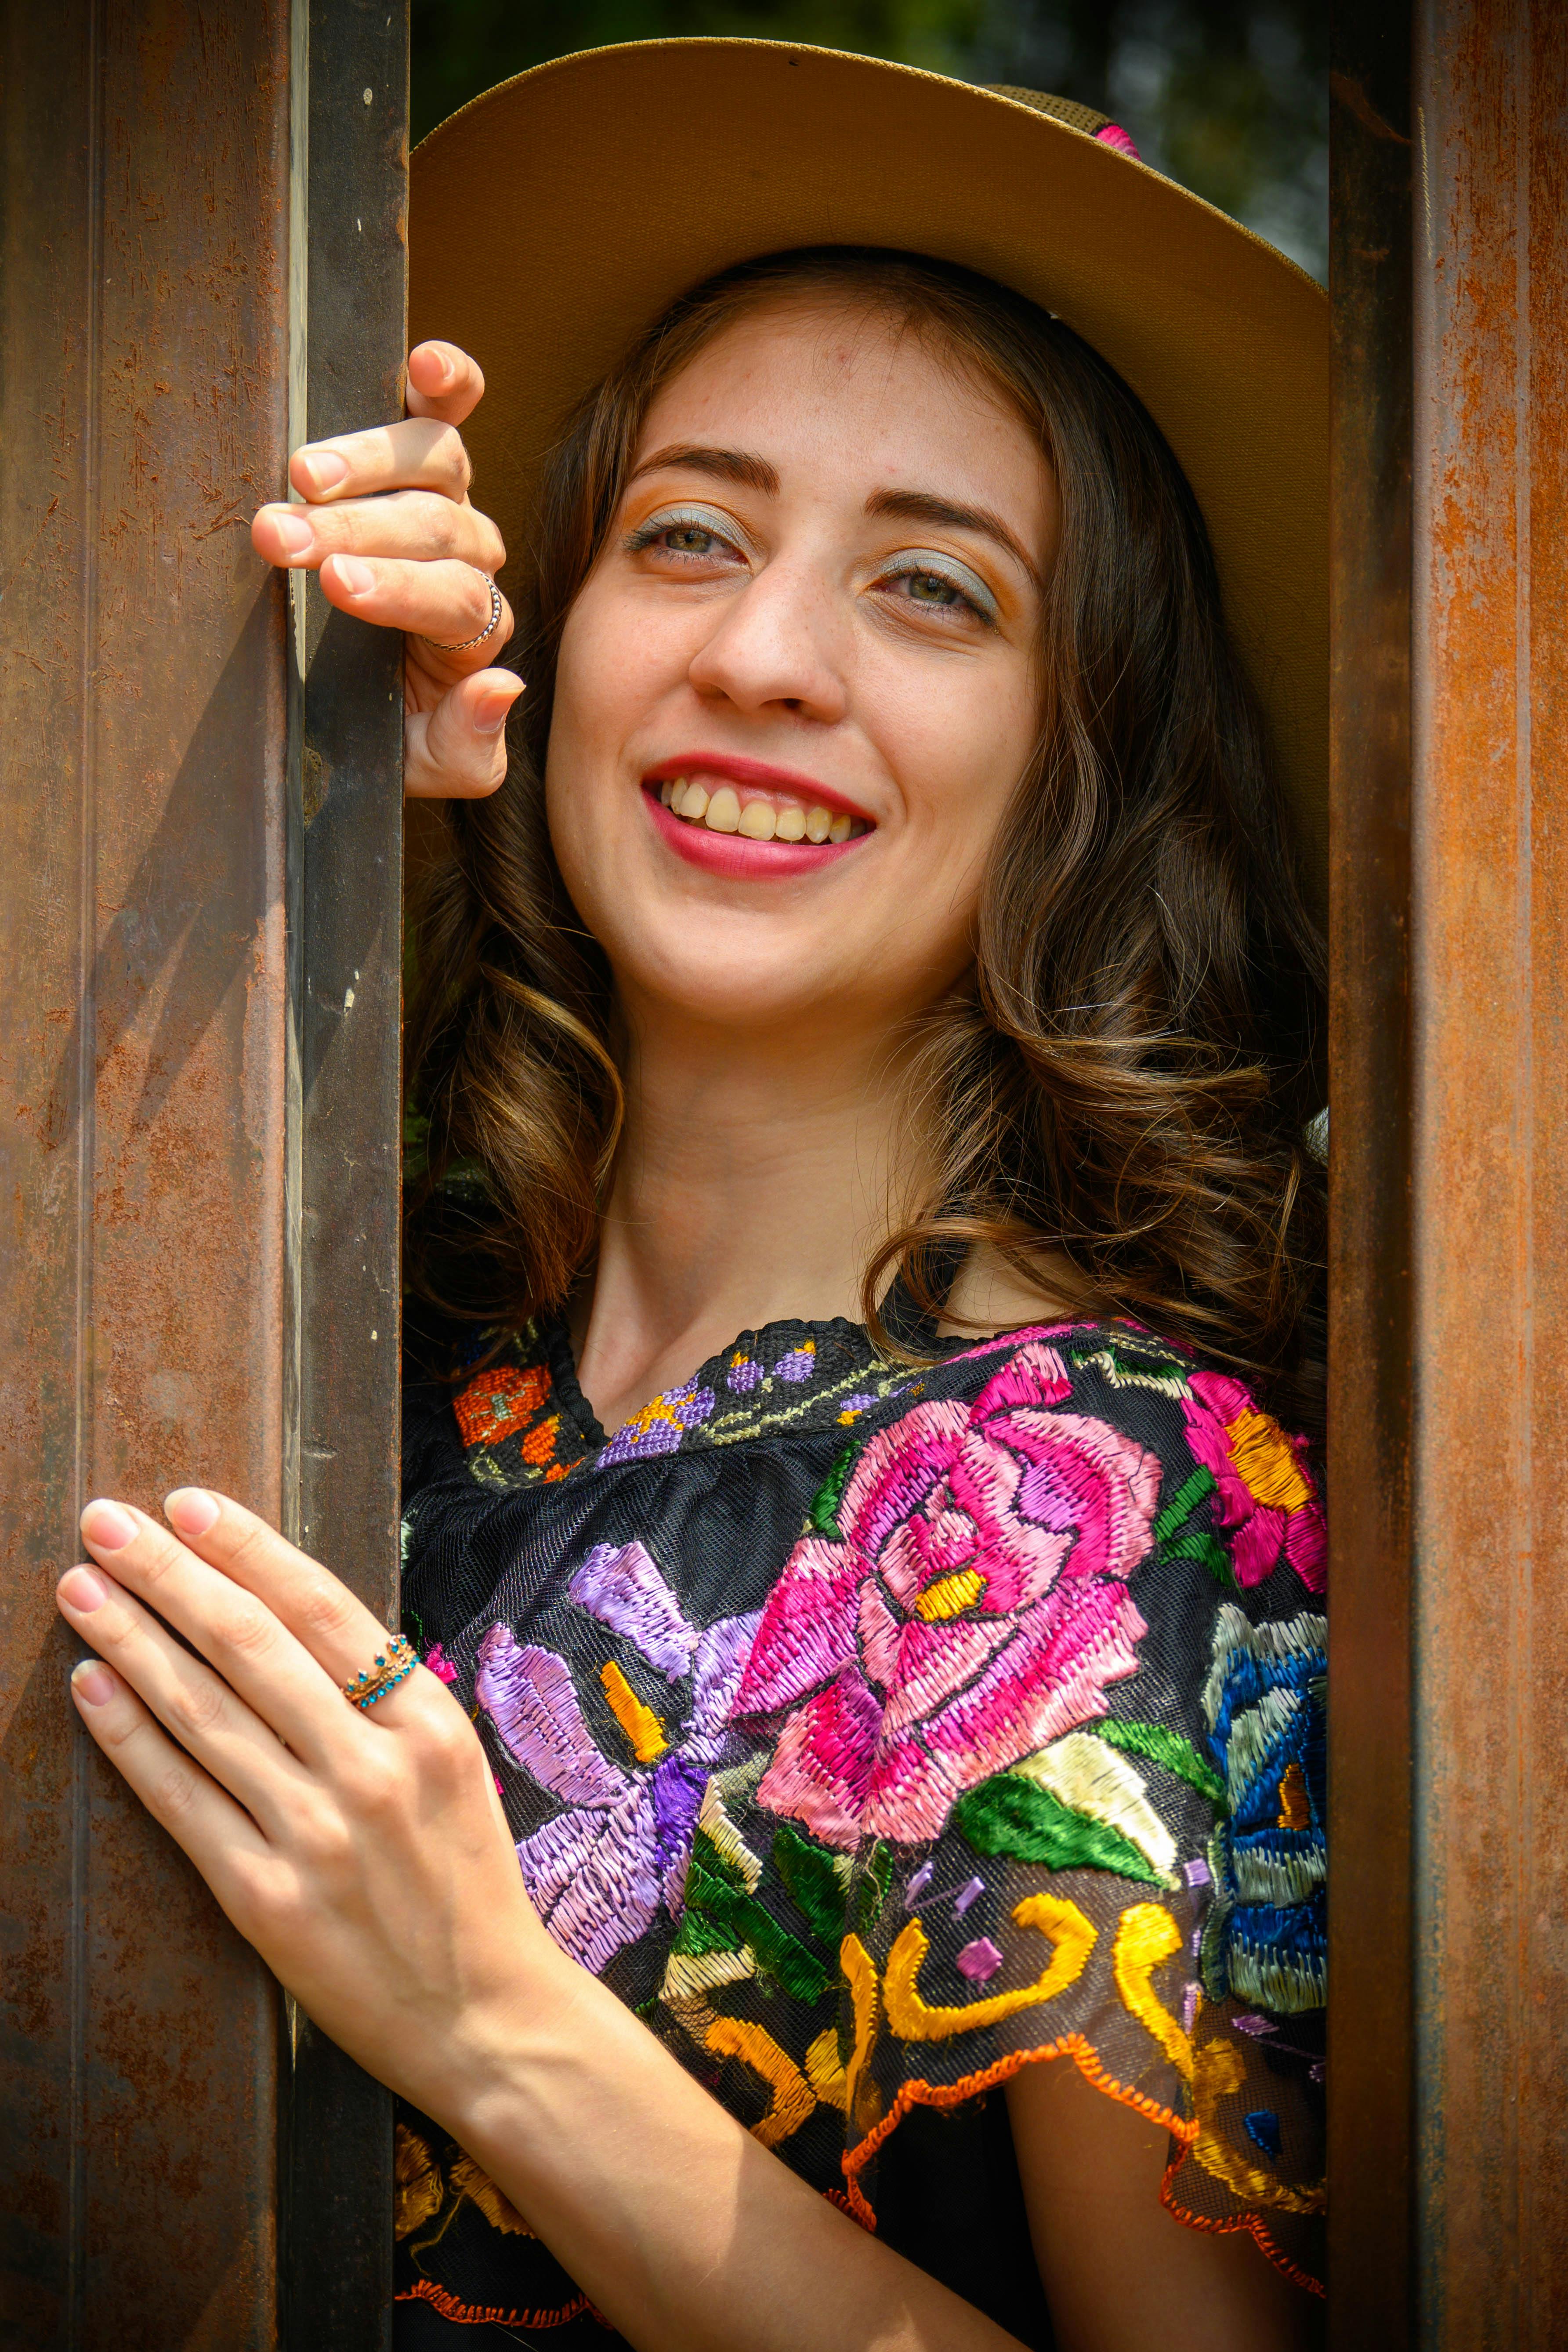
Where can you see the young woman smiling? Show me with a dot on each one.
(868, 1890)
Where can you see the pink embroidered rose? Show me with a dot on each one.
(1265, 1495)
(972, 1608)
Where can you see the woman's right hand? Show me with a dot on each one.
(387, 524)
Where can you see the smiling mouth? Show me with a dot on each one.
(756, 816)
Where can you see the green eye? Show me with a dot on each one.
(929, 588)
(690, 538)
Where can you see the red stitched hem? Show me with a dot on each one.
(1253, 2223)
(922, 2093)
(473, 2314)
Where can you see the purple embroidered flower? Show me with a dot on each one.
(798, 1365)
(744, 1374)
(658, 1427)
(600, 1870)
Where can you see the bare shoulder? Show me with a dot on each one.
(991, 1296)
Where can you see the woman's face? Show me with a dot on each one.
(816, 614)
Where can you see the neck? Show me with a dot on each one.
(755, 1176)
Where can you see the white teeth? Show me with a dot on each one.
(759, 819)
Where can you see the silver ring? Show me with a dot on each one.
(491, 625)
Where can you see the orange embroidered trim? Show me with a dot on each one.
(497, 1403)
(794, 2098)
(1253, 2223)
(474, 2315)
(920, 2094)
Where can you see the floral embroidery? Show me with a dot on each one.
(1266, 1496)
(876, 1839)
(974, 1606)
(1265, 1939)
(495, 1403)
(601, 1869)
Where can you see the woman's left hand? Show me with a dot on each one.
(365, 1854)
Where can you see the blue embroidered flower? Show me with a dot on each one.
(1265, 1939)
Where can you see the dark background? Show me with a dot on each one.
(1229, 96)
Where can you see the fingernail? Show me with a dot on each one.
(192, 1510)
(351, 574)
(489, 713)
(295, 533)
(83, 1590)
(92, 1682)
(323, 468)
(106, 1525)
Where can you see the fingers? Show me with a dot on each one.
(219, 1835)
(417, 454)
(215, 1728)
(446, 602)
(328, 1621)
(457, 752)
(443, 382)
(419, 525)
(272, 1688)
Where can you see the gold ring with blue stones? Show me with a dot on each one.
(390, 1667)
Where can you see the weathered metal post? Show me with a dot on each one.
(201, 239)
(1449, 1968)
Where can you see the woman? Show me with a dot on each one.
(864, 1045)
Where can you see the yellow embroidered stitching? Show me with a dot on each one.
(639, 1723)
(915, 2019)
(950, 1596)
(1146, 1936)
(860, 1975)
(794, 2098)
(824, 2072)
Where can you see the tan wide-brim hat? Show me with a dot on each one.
(556, 217)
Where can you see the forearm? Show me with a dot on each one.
(689, 2235)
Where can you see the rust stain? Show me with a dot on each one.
(141, 727)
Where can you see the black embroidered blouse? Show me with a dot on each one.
(875, 1732)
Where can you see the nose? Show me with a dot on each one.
(777, 643)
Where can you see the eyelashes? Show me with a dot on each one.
(922, 580)
(923, 569)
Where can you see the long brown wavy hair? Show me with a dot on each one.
(1129, 1077)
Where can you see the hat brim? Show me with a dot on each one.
(558, 215)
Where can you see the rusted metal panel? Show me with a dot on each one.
(143, 410)
(1371, 1916)
(1491, 1029)
(352, 109)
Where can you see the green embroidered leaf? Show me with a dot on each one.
(1201, 1545)
(823, 1512)
(719, 1906)
(812, 1881)
(1024, 1822)
(1167, 1748)
(1183, 1502)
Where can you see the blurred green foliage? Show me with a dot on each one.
(1229, 96)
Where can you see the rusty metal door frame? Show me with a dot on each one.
(1448, 1963)
(202, 241)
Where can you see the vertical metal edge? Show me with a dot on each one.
(1371, 1922)
(350, 158)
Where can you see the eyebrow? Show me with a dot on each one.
(922, 506)
(724, 465)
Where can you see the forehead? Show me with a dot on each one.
(836, 388)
